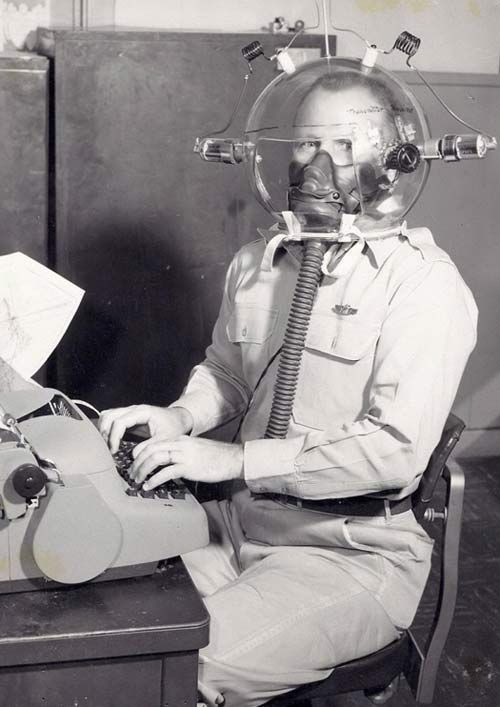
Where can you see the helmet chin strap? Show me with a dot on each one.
(348, 233)
(348, 230)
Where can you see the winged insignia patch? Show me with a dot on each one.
(344, 309)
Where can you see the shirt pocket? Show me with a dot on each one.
(345, 339)
(336, 369)
(251, 326)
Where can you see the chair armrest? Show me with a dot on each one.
(445, 608)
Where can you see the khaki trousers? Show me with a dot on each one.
(292, 593)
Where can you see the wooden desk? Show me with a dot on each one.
(126, 643)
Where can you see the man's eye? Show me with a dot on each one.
(306, 148)
(343, 145)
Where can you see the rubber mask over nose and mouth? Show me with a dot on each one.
(314, 193)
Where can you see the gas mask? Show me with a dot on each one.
(315, 194)
(335, 169)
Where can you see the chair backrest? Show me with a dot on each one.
(452, 430)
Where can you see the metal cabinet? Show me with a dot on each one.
(23, 155)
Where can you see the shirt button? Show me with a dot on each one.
(244, 331)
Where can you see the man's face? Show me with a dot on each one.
(337, 139)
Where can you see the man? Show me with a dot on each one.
(296, 582)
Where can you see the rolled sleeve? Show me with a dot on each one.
(270, 465)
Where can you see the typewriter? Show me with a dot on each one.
(69, 512)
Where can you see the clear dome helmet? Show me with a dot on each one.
(339, 143)
(336, 138)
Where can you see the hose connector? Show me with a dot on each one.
(453, 148)
(214, 149)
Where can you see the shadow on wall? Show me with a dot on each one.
(144, 320)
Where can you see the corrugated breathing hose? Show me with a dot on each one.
(294, 340)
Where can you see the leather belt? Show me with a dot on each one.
(356, 506)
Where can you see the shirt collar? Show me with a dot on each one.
(380, 244)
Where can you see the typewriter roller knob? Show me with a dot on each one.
(28, 480)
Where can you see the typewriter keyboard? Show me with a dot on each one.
(123, 461)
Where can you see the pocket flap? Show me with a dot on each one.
(349, 339)
(251, 324)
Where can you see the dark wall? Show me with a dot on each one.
(23, 155)
(460, 205)
(142, 224)
(24, 158)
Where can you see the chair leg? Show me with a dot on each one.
(455, 481)
(380, 697)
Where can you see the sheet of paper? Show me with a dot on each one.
(36, 307)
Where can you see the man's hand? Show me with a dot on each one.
(187, 457)
(170, 423)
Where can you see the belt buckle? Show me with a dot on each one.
(289, 500)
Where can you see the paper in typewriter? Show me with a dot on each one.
(36, 307)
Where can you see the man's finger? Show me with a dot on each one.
(106, 420)
(127, 418)
(174, 471)
(116, 433)
(146, 444)
(150, 458)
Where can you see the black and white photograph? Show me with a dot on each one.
(249, 353)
